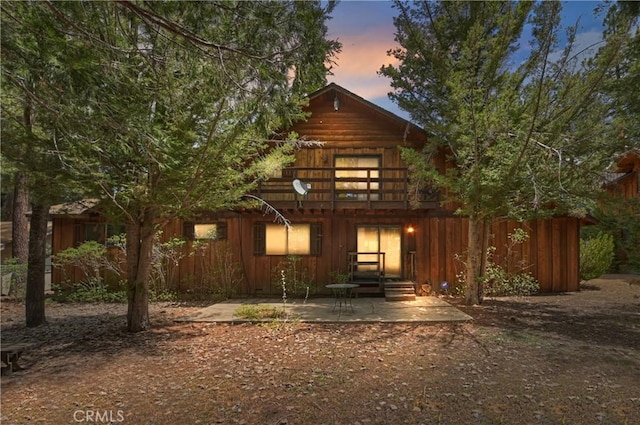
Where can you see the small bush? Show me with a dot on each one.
(596, 256)
(499, 283)
(259, 312)
(90, 292)
(298, 283)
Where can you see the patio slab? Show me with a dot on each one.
(321, 310)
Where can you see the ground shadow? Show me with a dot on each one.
(613, 326)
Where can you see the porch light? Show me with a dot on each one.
(410, 229)
(336, 103)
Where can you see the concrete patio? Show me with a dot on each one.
(324, 310)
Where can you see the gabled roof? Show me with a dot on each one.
(628, 162)
(339, 89)
(82, 207)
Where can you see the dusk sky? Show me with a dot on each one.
(366, 31)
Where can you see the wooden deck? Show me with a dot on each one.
(374, 189)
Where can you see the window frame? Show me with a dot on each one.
(189, 230)
(260, 240)
(97, 231)
(368, 190)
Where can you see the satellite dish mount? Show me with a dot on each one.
(300, 187)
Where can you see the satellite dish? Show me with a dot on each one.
(300, 187)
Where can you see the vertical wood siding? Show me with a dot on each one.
(358, 128)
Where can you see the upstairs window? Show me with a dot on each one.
(357, 177)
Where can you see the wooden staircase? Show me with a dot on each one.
(399, 291)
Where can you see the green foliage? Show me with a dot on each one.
(17, 285)
(259, 312)
(164, 296)
(619, 216)
(91, 257)
(162, 109)
(294, 278)
(91, 291)
(523, 138)
(596, 256)
(623, 85)
(507, 276)
(500, 283)
(338, 277)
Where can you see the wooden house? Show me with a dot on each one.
(349, 204)
(625, 181)
(623, 186)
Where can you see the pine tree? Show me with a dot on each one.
(167, 108)
(522, 139)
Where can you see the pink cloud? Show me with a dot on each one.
(360, 60)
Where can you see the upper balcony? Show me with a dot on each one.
(339, 188)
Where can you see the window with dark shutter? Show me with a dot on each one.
(188, 230)
(259, 239)
(78, 234)
(316, 239)
(221, 231)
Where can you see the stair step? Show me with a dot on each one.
(398, 285)
(367, 290)
(400, 297)
(399, 291)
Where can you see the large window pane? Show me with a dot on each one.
(276, 239)
(295, 241)
(380, 239)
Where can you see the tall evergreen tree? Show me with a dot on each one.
(166, 108)
(522, 139)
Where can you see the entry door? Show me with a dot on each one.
(381, 239)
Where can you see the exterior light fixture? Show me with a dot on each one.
(411, 229)
(336, 103)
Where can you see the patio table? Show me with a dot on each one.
(342, 292)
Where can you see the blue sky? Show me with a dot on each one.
(366, 31)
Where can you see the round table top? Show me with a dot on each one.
(342, 286)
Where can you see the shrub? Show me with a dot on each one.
(298, 283)
(596, 255)
(506, 278)
(499, 283)
(91, 258)
(259, 312)
(92, 291)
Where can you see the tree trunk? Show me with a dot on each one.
(34, 304)
(20, 223)
(139, 248)
(476, 260)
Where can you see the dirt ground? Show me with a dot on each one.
(550, 359)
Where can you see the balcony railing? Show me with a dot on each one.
(346, 188)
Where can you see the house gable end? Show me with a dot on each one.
(341, 119)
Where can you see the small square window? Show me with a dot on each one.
(205, 231)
